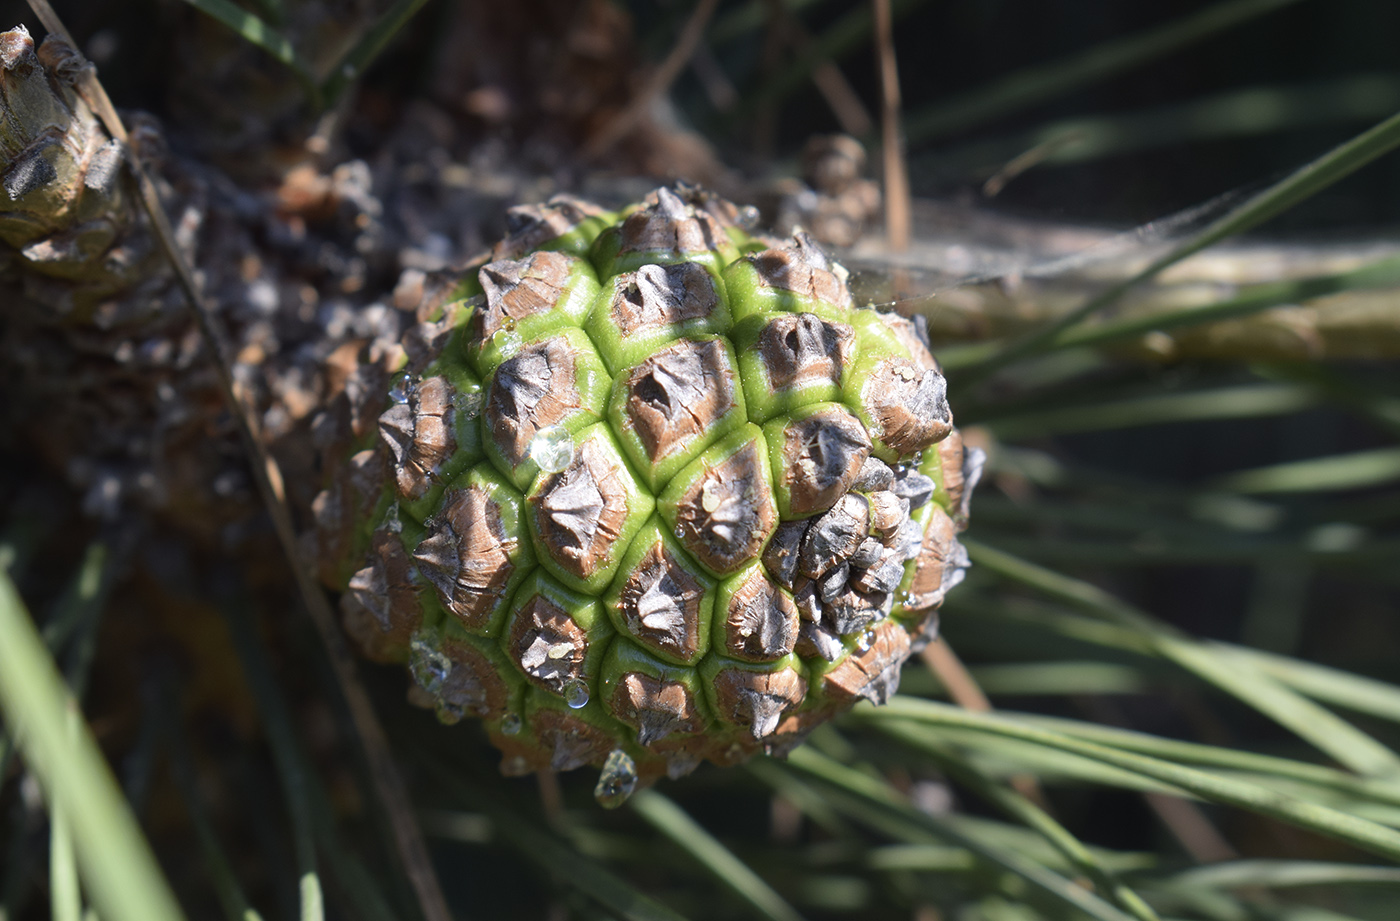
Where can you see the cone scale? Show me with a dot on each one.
(655, 492)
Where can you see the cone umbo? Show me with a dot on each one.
(646, 489)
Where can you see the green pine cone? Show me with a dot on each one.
(646, 490)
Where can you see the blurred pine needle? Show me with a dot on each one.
(912, 810)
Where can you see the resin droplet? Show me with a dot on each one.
(449, 714)
(507, 340)
(552, 448)
(576, 693)
(866, 639)
(748, 217)
(429, 666)
(403, 387)
(559, 650)
(617, 780)
(511, 724)
(468, 404)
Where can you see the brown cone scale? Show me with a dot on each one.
(909, 405)
(518, 289)
(655, 707)
(666, 224)
(676, 395)
(760, 622)
(803, 349)
(822, 455)
(802, 270)
(872, 673)
(533, 390)
(475, 684)
(660, 604)
(728, 515)
(466, 555)
(663, 295)
(532, 226)
(548, 645)
(579, 512)
(757, 701)
(418, 432)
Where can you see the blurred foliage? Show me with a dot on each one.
(1185, 574)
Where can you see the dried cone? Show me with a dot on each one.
(653, 493)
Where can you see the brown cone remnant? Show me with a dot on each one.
(466, 555)
(655, 707)
(530, 226)
(874, 476)
(803, 269)
(757, 700)
(660, 604)
(419, 434)
(835, 536)
(668, 224)
(474, 685)
(662, 295)
(579, 512)
(872, 673)
(883, 575)
(887, 513)
(571, 741)
(515, 290)
(547, 644)
(850, 611)
(760, 624)
(822, 455)
(909, 405)
(678, 394)
(534, 389)
(951, 457)
(728, 513)
(799, 349)
(818, 639)
(780, 556)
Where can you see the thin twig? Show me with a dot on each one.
(551, 796)
(659, 83)
(1192, 830)
(1027, 160)
(1186, 821)
(954, 676)
(897, 209)
(840, 96)
(764, 135)
(388, 782)
(968, 694)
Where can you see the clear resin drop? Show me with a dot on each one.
(617, 780)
